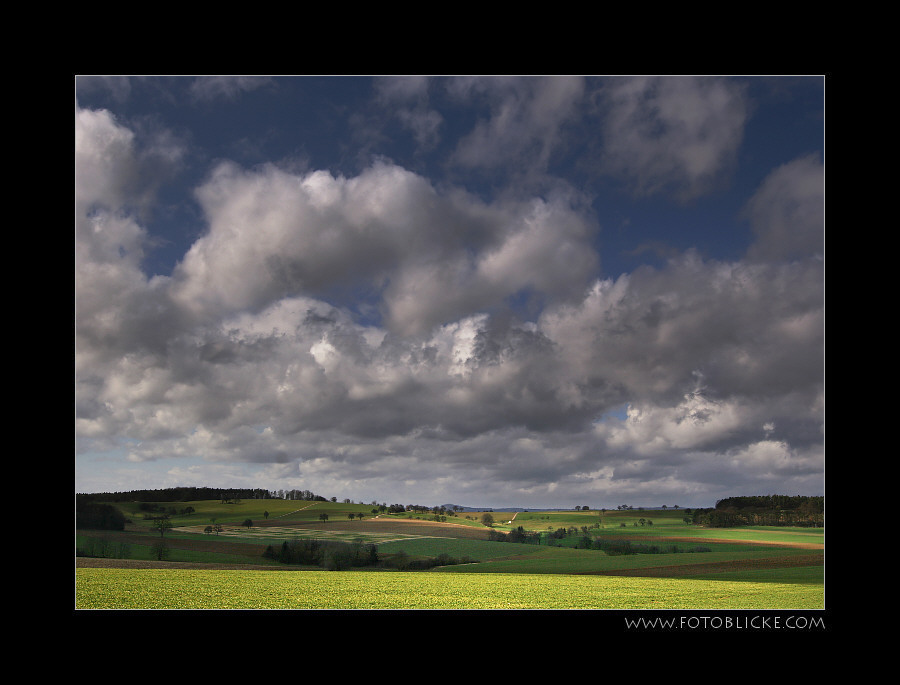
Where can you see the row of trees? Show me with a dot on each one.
(152, 498)
(764, 510)
(715, 518)
(619, 547)
(181, 494)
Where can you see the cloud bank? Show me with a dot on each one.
(380, 335)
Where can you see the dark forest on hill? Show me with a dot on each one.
(191, 494)
(764, 510)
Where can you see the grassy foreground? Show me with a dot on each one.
(114, 588)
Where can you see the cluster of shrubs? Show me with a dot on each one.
(153, 510)
(104, 548)
(536, 537)
(331, 555)
(617, 547)
(98, 516)
(403, 562)
(516, 535)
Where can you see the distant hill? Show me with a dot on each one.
(188, 494)
(459, 507)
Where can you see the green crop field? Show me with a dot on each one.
(219, 555)
(233, 589)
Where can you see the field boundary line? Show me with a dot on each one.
(291, 513)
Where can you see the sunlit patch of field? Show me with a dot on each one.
(102, 588)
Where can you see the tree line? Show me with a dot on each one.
(180, 494)
(764, 510)
(779, 502)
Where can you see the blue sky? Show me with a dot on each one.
(484, 290)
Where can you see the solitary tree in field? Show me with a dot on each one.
(487, 519)
(323, 516)
(160, 550)
(162, 525)
(248, 523)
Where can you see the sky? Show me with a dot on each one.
(504, 291)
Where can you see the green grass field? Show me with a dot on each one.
(735, 568)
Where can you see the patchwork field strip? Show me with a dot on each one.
(287, 533)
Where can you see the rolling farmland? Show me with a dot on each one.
(215, 557)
